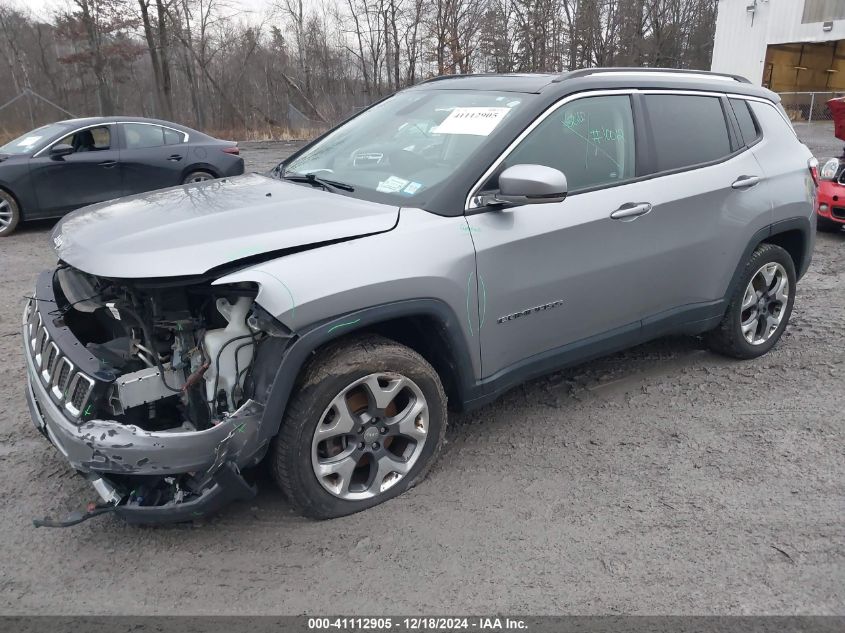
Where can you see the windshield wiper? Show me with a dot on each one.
(311, 179)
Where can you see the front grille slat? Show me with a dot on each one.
(34, 330)
(77, 393)
(41, 340)
(68, 386)
(49, 364)
(838, 212)
(61, 379)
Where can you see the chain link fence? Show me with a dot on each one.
(808, 107)
(813, 121)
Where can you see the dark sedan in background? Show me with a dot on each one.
(66, 165)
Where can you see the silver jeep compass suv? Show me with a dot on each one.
(444, 245)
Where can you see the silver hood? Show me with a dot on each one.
(191, 229)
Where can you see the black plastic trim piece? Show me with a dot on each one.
(228, 485)
(61, 335)
(691, 319)
(298, 351)
(551, 360)
(733, 126)
(754, 120)
(643, 148)
(801, 224)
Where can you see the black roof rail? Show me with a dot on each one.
(441, 78)
(584, 72)
(462, 75)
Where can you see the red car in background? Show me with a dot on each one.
(831, 196)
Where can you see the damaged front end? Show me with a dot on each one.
(147, 388)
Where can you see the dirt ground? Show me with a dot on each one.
(665, 479)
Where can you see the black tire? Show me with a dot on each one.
(826, 225)
(10, 214)
(199, 175)
(727, 338)
(326, 376)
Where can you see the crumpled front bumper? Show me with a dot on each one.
(99, 449)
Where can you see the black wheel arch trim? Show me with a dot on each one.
(302, 345)
(802, 224)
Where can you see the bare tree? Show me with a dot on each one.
(204, 63)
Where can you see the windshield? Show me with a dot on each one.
(29, 141)
(402, 149)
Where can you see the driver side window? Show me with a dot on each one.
(591, 140)
(95, 139)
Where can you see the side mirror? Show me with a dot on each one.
(62, 149)
(529, 184)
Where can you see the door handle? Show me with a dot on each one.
(631, 211)
(108, 164)
(175, 157)
(745, 182)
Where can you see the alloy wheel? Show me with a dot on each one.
(764, 303)
(370, 436)
(5, 214)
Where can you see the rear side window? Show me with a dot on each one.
(747, 125)
(688, 130)
(141, 135)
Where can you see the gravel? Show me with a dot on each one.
(665, 479)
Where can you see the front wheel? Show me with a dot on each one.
(365, 424)
(10, 214)
(759, 309)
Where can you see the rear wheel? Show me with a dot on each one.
(828, 226)
(197, 176)
(10, 214)
(760, 306)
(365, 424)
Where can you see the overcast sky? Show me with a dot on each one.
(45, 8)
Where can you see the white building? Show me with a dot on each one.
(785, 45)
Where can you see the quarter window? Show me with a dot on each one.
(172, 137)
(747, 126)
(688, 130)
(591, 140)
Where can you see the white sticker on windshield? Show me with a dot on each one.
(28, 141)
(477, 121)
(391, 185)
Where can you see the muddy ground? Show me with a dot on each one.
(664, 479)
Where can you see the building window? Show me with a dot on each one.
(823, 11)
